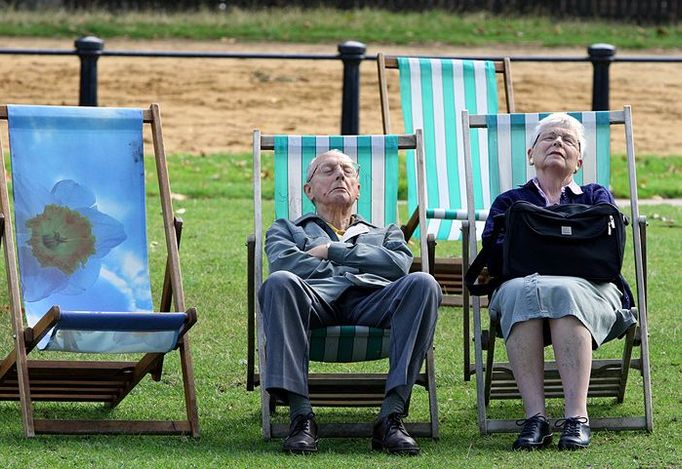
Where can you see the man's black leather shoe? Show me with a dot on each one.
(389, 434)
(302, 437)
(576, 433)
(534, 435)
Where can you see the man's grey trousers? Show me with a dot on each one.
(290, 307)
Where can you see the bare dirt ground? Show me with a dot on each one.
(212, 105)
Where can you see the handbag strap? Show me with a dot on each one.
(481, 260)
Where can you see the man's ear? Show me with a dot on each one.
(308, 191)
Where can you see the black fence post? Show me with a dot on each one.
(88, 48)
(351, 53)
(601, 56)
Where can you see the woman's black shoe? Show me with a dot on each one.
(302, 437)
(534, 435)
(576, 433)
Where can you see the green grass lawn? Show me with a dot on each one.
(229, 175)
(218, 217)
(321, 25)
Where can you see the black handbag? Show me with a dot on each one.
(574, 240)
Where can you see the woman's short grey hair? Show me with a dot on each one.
(564, 121)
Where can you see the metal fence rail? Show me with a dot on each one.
(89, 49)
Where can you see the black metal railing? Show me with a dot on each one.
(351, 53)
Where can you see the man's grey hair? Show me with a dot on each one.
(564, 121)
(314, 162)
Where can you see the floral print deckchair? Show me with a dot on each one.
(83, 281)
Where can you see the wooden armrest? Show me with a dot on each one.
(189, 322)
(33, 335)
(411, 225)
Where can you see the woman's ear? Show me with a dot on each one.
(530, 158)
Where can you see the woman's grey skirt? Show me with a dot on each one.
(596, 305)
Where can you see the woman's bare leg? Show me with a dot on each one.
(525, 350)
(572, 344)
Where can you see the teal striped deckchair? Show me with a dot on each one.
(433, 92)
(377, 156)
(509, 136)
(76, 230)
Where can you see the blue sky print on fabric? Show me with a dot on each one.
(78, 185)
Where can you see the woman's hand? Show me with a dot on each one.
(484, 276)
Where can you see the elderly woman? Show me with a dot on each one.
(572, 314)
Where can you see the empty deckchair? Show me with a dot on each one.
(433, 92)
(509, 136)
(77, 230)
(377, 156)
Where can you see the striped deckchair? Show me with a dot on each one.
(433, 92)
(377, 156)
(509, 137)
(76, 230)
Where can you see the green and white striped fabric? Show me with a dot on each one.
(349, 343)
(377, 156)
(433, 93)
(510, 136)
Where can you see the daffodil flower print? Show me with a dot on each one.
(62, 237)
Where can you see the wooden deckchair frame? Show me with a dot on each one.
(95, 381)
(326, 389)
(448, 271)
(609, 376)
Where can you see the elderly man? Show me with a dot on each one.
(332, 268)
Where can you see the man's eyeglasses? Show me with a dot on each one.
(350, 170)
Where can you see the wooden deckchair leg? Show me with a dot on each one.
(490, 358)
(466, 307)
(433, 402)
(16, 309)
(167, 291)
(625, 363)
(25, 392)
(642, 235)
(30, 337)
(430, 365)
(644, 331)
(478, 360)
(265, 413)
(251, 314)
(188, 385)
(646, 372)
